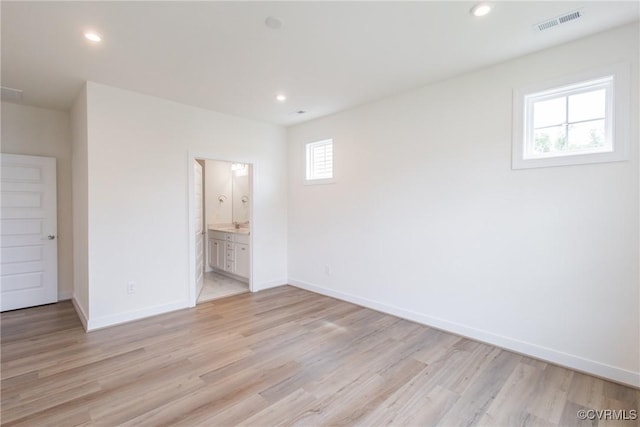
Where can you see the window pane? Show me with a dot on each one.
(572, 120)
(549, 140)
(549, 113)
(587, 106)
(320, 160)
(587, 135)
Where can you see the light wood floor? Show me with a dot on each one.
(279, 357)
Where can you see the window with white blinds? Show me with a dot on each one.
(320, 161)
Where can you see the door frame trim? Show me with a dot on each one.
(203, 218)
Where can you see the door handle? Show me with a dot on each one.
(50, 237)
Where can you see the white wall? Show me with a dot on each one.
(37, 131)
(428, 221)
(138, 169)
(218, 182)
(80, 187)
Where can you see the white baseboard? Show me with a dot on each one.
(571, 361)
(79, 311)
(270, 284)
(116, 319)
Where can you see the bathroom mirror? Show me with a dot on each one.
(240, 192)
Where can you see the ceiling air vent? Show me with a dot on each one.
(9, 94)
(559, 20)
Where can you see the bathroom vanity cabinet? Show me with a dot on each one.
(229, 252)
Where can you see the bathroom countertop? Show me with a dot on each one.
(230, 229)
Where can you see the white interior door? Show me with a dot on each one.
(28, 218)
(199, 225)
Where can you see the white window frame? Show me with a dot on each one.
(309, 162)
(616, 122)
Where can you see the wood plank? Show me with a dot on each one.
(279, 357)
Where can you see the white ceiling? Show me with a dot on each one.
(328, 56)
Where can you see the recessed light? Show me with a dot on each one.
(281, 98)
(481, 9)
(94, 37)
(273, 22)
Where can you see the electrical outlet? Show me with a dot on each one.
(327, 269)
(131, 287)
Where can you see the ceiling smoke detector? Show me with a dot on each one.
(559, 20)
(273, 22)
(10, 94)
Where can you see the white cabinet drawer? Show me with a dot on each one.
(229, 237)
(230, 255)
(229, 246)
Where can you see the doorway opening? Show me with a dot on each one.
(221, 214)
